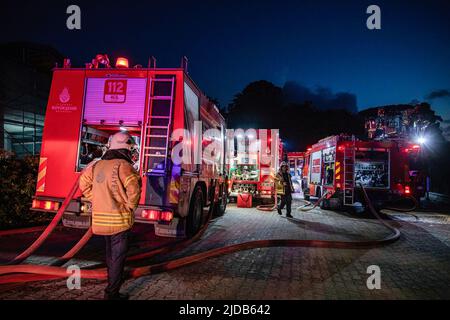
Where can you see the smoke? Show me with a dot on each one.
(322, 97)
(445, 127)
(443, 93)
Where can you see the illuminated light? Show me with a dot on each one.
(166, 216)
(239, 136)
(416, 146)
(35, 204)
(45, 205)
(407, 190)
(309, 149)
(48, 205)
(338, 185)
(406, 150)
(421, 140)
(123, 129)
(122, 62)
(150, 214)
(250, 136)
(341, 148)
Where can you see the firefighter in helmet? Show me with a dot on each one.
(114, 187)
(284, 188)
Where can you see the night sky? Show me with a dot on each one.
(231, 43)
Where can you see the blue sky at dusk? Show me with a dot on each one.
(231, 43)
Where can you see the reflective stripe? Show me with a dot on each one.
(84, 178)
(111, 214)
(42, 173)
(111, 219)
(111, 224)
(42, 170)
(128, 179)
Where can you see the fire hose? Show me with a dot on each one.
(269, 207)
(41, 272)
(403, 210)
(307, 206)
(49, 229)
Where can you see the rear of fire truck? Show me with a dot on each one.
(168, 117)
(253, 159)
(339, 165)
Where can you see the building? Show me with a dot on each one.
(24, 87)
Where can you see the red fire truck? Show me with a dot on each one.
(253, 158)
(161, 108)
(339, 164)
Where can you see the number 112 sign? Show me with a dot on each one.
(115, 91)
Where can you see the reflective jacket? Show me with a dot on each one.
(114, 188)
(280, 184)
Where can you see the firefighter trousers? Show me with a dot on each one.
(116, 250)
(286, 200)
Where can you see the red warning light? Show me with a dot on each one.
(122, 62)
(407, 190)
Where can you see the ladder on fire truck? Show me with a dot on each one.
(157, 126)
(349, 173)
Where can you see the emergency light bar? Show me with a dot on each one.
(122, 62)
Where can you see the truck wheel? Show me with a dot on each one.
(221, 205)
(194, 218)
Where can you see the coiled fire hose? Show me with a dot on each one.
(52, 272)
(269, 207)
(403, 210)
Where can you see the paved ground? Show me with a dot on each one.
(415, 267)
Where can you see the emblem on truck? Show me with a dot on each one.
(64, 96)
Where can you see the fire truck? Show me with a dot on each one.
(339, 164)
(253, 158)
(168, 116)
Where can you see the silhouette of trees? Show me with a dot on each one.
(263, 105)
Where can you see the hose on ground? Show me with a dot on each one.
(307, 206)
(403, 210)
(57, 272)
(49, 229)
(269, 207)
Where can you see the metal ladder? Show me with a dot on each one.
(157, 126)
(349, 173)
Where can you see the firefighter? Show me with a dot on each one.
(114, 187)
(284, 189)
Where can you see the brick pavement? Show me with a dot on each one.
(415, 267)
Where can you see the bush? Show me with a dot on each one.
(18, 185)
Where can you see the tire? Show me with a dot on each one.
(221, 206)
(194, 218)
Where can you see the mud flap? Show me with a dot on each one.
(175, 229)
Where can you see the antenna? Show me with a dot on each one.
(184, 63)
(152, 62)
